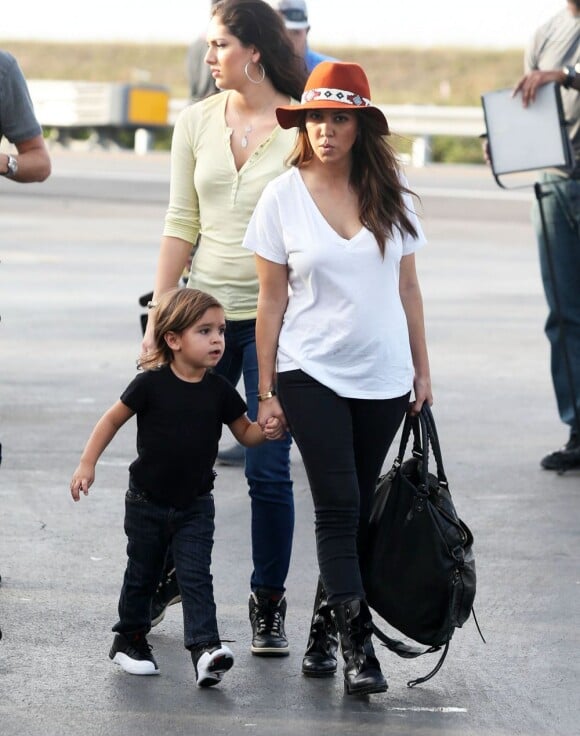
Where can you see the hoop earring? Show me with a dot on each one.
(262, 72)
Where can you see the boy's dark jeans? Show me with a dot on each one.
(151, 529)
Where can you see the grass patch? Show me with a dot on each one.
(436, 76)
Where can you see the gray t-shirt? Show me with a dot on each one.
(17, 120)
(556, 44)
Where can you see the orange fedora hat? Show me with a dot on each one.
(336, 85)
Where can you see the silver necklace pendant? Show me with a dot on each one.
(244, 141)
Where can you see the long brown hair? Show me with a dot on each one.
(255, 23)
(177, 310)
(374, 176)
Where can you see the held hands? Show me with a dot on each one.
(273, 429)
(271, 409)
(82, 480)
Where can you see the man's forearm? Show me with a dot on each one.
(32, 162)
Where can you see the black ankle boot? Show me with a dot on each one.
(320, 655)
(362, 671)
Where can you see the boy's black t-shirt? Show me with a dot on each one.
(179, 425)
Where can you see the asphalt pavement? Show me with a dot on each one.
(76, 253)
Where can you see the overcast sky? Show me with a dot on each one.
(494, 23)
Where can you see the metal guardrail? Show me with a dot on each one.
(65, 105)
(91, 104)
(409, 119)
(420, 122)
(435, 120)
(102, 107)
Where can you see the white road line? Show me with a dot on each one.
(497, 195)
(448, 192)
(111, 175)
(435, 709)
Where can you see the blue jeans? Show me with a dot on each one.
(562, 214)
(150, 530)
(267, 468)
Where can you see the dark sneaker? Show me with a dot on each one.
(267, 619)
(211, 661)
(166, 595)
(133, 653)
(566, 458)
(234, 456)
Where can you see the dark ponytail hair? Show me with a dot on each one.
(255, 23)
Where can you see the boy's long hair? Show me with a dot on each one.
(255, 23)
(374, 177)
(177, 310)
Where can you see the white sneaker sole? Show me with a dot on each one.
(135, 666)
(211, 667)
(270, 651)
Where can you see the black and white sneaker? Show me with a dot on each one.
(132, 653)
(211, 661)
(167, 594)
(267, 618)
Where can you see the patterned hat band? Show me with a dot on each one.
(335, 95)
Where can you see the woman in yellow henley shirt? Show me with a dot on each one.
(225, 149)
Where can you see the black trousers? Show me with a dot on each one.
(343, 443)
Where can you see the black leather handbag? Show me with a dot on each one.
(418, 567)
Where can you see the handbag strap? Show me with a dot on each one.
(406, 651)
(407, 426)
(430, 432)
(409, 652)
(424, 437)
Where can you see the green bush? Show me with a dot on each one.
(449, 150)
(444, 149)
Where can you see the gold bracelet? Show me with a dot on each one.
(268, 395)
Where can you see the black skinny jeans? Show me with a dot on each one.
(343, 443)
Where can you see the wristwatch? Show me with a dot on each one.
(268, 395)
(570, 72)
(12, 167)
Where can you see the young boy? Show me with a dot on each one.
(181, 406)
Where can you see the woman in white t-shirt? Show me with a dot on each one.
(340, 335)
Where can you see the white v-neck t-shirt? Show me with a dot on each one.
(344, 324)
